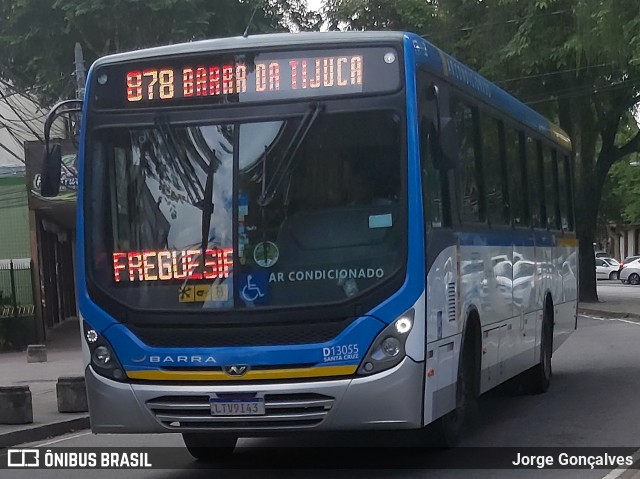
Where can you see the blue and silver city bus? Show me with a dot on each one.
(313, 232)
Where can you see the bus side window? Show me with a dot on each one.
(431, 177)
(515, 174)
(434, 181)
(564, 183)
(469, 171)
(551, 185)
(493, 163)
(534, 183)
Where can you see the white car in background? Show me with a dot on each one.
(631, 272)
(606, 270)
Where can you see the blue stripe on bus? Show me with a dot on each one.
(408, 294)
(135, 355)
(97, 317)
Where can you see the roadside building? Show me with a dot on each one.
(624, 240)
(36, 235)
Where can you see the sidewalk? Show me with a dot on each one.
(64, 358)
(614, 302)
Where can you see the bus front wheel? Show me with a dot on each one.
(449, 427)
(209, 447)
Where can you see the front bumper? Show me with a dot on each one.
(391, 399)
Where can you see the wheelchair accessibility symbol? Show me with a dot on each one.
(254, 288)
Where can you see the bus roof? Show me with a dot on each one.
(445, 66)
(437, 61)
(278, 40)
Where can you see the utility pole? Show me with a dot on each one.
(81, 79)
(81, 76)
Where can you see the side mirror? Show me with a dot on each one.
(52, 161)
(51, 172)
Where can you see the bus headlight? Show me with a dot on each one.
(388, 349)
(391, 346)
(103, 359)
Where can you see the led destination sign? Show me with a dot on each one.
(272, 76)
(213, 79)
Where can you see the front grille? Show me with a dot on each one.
(252, 335)
(281, 411)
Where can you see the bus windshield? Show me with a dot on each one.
(177, 218)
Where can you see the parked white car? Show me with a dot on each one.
(631, 272)
(604, 270)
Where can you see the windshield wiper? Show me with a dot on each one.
(193, 142)
(271, 188)
(206, 205)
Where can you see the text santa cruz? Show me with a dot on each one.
(324, 274)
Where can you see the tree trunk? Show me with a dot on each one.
(588, 202)
(587, 265)
(579, 117)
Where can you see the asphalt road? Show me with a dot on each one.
(593, 401)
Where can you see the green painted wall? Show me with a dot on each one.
(14, 218)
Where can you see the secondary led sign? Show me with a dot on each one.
(149, 266)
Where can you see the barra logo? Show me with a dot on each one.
(23, 458)
(236, 370)
(173, 359)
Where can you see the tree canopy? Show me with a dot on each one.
(37, 37)
(576, 61)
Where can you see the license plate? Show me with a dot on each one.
(249, 407)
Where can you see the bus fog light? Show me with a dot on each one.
(118, 374)
(404, 325)
(102, 356)
(92, 336)
(391, 346)
(368, 367)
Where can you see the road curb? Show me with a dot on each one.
(38, 433)
(608, 314)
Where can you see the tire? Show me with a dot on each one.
(613, 275)
(538, 378)
(449, 427)
(634, 279)
(210, 447)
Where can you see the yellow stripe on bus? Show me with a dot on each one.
(567, 241)
(260, 374)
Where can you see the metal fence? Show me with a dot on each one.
(16, 288)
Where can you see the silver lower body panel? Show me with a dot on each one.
(392, 399)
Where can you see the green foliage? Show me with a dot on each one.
(576, 61)
(37, 37)
(415, 15)
(624, 179)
